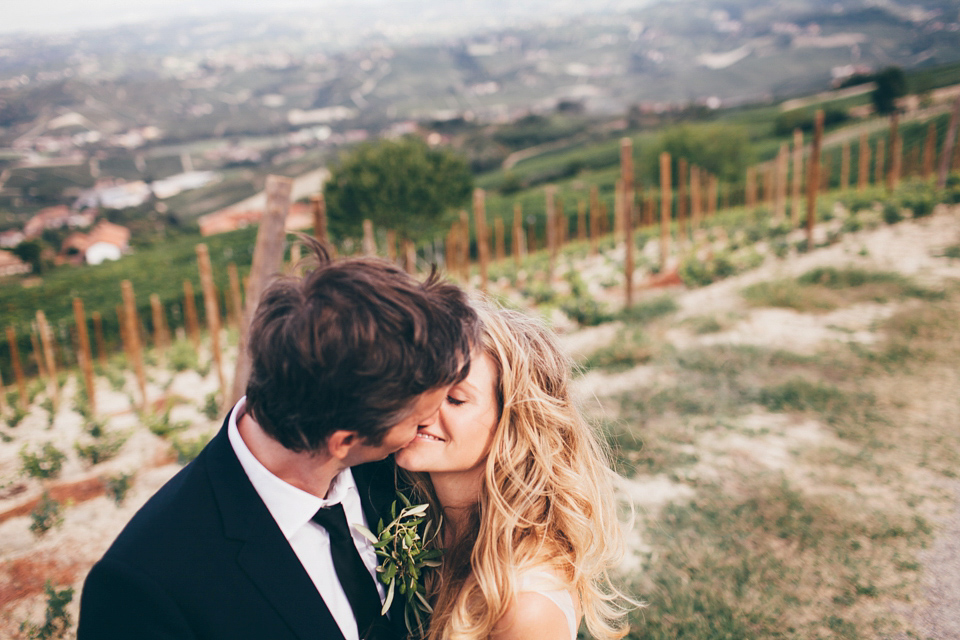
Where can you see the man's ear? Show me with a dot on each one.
(341, 442)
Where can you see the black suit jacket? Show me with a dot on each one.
(204, 559)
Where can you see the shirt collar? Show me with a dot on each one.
(290, 506)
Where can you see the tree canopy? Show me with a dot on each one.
(891, 84)
(721, 149)
(403, 185)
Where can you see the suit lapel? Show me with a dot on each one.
(265, 557)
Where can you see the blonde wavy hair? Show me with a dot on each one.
(547, 496)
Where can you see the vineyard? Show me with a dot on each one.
(773, 356)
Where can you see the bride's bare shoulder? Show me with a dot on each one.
(532, 615)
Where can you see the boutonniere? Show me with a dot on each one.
(402, 547)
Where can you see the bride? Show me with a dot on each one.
(523, 483)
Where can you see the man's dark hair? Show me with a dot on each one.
(350, 346)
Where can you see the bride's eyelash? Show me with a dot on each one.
(454, 401)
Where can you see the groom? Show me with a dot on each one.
(252, 539)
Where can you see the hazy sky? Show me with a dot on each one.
(67, 15)
(51, 16)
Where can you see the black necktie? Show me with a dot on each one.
(353, 574)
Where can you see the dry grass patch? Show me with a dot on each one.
(827, 288)
(760, 559)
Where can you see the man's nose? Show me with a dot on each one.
(431, 419)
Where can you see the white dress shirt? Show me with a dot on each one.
(293, 510)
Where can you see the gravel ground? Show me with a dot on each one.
(939, 617)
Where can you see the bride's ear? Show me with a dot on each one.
(341, 442)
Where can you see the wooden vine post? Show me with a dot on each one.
(797, 176)
(480, 228)
(948, 145)
(618, 210)
(84, 354)
(236, 298)
(190, 314)
(626, 214)
(267, 262)
(769, 176)
(37, 353)
(863, 167)
(896, 152)
(780, 196)
(133, 339)
(581, 221)
(929, 150)
(159, 330)
(594, 219)
(845, 166)
(665, 197)
(550, 194)
(464, 247)
(696, 199)
(517, 237)
(318, 207)
(713, 188)
(682, 199)
(751, 187)
(409, 256)
(17, 367)
(500, 241)
(212, 310)
(391, 245)
(880, 162)
(813, 177)
(369, 242)
(561, 221)
(46, 341)
(449, 247)
(122, 324)
(98, 336)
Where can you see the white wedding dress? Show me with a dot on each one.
(550, 587)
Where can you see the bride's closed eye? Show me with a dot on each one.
(454, 401)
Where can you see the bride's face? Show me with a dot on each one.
(457, 442)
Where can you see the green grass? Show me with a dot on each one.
(827, 288)
(770, 561)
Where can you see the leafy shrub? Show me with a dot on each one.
(851, 224)
(857, 202)
(46, 515)
(182, 356)
(117, 486)
(56, 619)
(587, 312)
(891, 213)
(211, 406)
(47, 405)
(16, 416)
(186, 449)
(695, 272)
(704, 324)
(107, 447)
(629, 349)
(160, 425)
(647, 310)
(46, 464)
